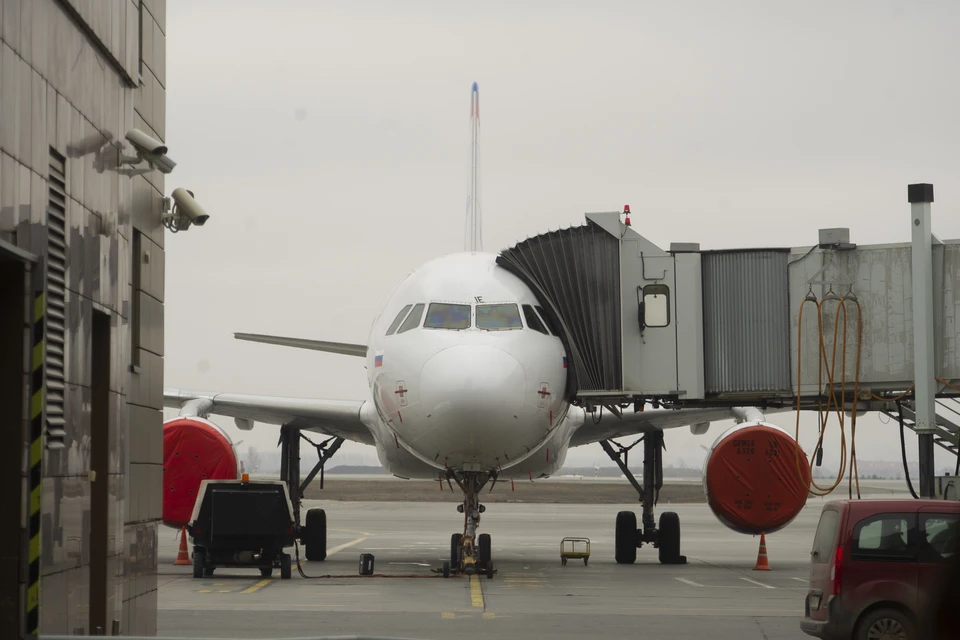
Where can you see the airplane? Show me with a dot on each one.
(466, 374)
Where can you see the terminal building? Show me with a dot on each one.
(81, 315)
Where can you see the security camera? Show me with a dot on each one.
(149, 149)
(186, 211)
(145, 144)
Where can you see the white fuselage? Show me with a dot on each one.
(462, 384)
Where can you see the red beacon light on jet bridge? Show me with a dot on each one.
(626, 212)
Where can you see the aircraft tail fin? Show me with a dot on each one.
(344, 348)
(474, 235)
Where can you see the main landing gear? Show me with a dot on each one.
(313, 532)
(470, 553)
(628, 538)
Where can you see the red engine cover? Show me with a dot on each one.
(756, 478)
(193, 450)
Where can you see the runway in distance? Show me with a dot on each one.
(466, 377)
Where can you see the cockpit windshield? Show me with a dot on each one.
(498, 317)
(442, 315)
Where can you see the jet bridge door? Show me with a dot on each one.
(649, 309)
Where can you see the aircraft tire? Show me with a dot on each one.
(625, 546)
(484, 551)
(455, 550)
(315, 535)
(668, 538)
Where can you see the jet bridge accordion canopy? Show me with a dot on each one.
(575, 273)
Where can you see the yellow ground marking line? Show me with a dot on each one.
(205, 590)
(476, 593)
(345, 545)
(258, 586)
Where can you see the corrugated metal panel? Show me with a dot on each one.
(746, 321)
(576, 275)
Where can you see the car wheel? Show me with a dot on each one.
(885, 624)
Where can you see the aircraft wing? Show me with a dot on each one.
(610, 426)
(331, 417)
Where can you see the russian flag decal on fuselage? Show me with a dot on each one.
(564, 362)
(378, 359)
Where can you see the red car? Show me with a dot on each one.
(874, 564)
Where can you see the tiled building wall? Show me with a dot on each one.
(75, 76)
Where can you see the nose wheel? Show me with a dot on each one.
(470, 553)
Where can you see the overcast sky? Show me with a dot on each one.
(329, 142)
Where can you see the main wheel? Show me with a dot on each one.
(625, 540)
(483, 550)
(285, 571)
(668, 539)
(199, 557)
(455, 550)
(885, 623)
(489, 566)
(315, 536)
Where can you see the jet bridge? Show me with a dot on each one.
(688, 327)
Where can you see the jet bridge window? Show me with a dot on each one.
(413, 320)
(396, 321)
(498, 317)
(533, 320)
(654, 303)
(441, 315)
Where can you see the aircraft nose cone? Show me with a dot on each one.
(471, 387)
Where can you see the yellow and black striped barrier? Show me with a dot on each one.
(36, 460)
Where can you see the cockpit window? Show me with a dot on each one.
(533, 320)
(498, 317)
(413, 320)
(396, 321)
(441, 315)
(546, 319)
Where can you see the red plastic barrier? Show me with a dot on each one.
(193, 450)
(752, 478)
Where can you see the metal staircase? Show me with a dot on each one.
(947, 434)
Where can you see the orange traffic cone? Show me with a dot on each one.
(762, 564)
(182, 556)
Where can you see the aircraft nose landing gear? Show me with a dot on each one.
(470, 553)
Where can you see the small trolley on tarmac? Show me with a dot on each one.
(238, 523)
(572, 547)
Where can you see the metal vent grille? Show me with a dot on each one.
(56, 300)
(575, 273)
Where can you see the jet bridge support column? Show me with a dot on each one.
(920, 197)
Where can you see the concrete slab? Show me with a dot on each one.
(717, 594)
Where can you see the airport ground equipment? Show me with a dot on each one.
(574, 548)
(239, 523)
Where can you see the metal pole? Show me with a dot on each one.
(920, 197)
